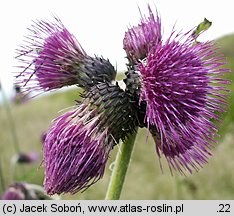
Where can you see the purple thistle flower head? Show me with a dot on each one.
(138, 40)
(53, 58)
(79, 142)
(181, 90)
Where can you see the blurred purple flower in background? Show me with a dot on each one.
(24, 191)
(27, 158)
(14, 192)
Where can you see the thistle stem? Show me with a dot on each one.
(2, 177)
(11, 121)
(120, 169)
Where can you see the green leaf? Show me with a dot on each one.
(203, 26)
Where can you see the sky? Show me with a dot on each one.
(100, 25)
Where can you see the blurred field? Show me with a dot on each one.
(145, 179)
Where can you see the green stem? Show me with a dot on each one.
(120, 169)
(7, 106)
(2, 177)
(11, 121)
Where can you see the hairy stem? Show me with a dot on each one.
(120, 169)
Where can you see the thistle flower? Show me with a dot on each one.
(78, 143)
(53, 58)
(138, 40)
(181, 91)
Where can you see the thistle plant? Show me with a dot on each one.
(174, 87)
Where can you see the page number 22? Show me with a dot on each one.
(224, 208)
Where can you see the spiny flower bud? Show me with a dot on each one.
(52, 58)
(78, 143)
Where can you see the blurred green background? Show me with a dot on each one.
(144, 179)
